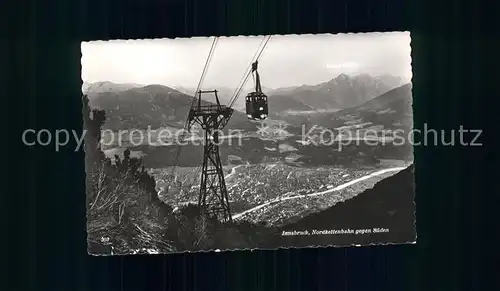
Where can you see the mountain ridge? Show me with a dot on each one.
(106, 86)
(133, 105)
(153, 106)
(343, 91)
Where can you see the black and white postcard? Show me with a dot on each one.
(248, 142)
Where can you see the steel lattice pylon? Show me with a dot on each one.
(213, 195)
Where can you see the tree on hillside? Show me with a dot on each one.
(92, 120)
(121, 197)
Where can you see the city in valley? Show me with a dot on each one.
(275, 193)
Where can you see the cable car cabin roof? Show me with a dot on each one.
(256, 96)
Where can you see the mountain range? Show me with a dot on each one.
(135, 106)
(159, 106)
(344, 91)
(153, 106)
(341, 92)
(102, 87)
(391, 110)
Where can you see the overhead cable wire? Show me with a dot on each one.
(248, 73)
(200, 83)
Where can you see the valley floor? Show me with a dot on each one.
(276, 192)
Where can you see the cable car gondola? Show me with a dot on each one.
(256, 102)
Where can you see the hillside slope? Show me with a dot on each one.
(389, 204)
(344, 91)
(101, 87)
(281, 104)
(152, 106)
(391, 110)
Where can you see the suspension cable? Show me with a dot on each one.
(231, 102)
(207, 63)
(247, 75)
(248, 69)
(193, 101)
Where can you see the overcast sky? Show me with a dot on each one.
(287, 60)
